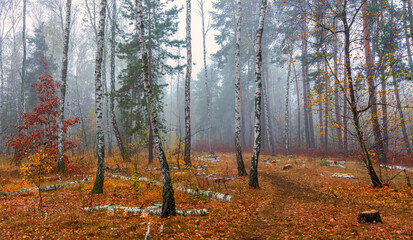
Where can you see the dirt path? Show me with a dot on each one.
(297, 211)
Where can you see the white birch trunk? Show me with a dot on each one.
(253, 179)
(60, 133)
(100, 137)
(187, 155)
(168, 204)
(240, 162)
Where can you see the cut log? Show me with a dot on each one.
(371, 216)
(286, 167)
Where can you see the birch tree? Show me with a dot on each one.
(240, 162)
(100, 137)
(168, 204)
(253, 178)
(187, 155)
(60, 161)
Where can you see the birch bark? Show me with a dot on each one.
(60, 133)
(253, 178)
(240, 162)
(168, 204)
(187, 155)
(100, 137)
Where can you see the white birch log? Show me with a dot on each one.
(153, 210)
(207, 193)
(43, 189)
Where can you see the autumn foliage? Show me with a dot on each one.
(38, 131)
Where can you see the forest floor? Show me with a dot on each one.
(304, 202)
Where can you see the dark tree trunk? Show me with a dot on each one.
(374, 179)
(372, 92)
(119, 140)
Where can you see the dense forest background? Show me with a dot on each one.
(307, 102)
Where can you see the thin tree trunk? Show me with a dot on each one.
(326, 109)
(408, 46)
(60, 162)
(207, 87)
(298, 109)
(248, 103)
(240, 162)
(401, 114)
(372, 92)
(86, 142)
(267, 113)
(383, 94)
(253, 178)
(345, 111)
(308, 127)
(374, 179)
(178, 105)
(2, 98)
(23, 73)
(100, 137)
(150, 140)
(287, 112)
(187, 155)
(118, 137)
(270, 130)
(168, 204)
(336, 90)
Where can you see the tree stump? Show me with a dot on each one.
(286, 167)
(371, 216)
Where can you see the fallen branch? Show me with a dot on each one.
(339, 175)
(152, 210)
(43, 189)
(337, 165)
(200, 167)
(207, 193)
(147, 231)
(210, 194)
(211, 158)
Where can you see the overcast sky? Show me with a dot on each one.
(197, 51)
